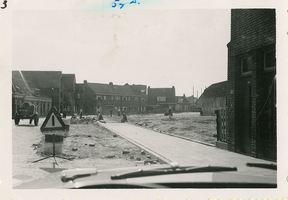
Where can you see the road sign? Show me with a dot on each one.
(53, 122)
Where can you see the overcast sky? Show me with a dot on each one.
(101, 44)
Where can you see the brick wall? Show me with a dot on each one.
(252, 33)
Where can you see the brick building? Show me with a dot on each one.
(160, 99)
(49, 83)
(69, 85)
(79, 97)
(251, 89)
(109, 98)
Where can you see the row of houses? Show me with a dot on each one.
(245, 104)
(47, 88)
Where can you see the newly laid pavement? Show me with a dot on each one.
(172, 149)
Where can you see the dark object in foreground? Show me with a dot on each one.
(26, 111)
(152, 176)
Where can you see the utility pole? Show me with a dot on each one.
(193, 97)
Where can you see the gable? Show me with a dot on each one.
(111, 89)
(215, 90)
(43, 79)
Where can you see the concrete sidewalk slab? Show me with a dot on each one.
(185, 152)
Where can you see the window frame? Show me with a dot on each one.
(248, 72)
(272, 68)
(161, 98)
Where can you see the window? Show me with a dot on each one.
(161, 98)
(136, 99)
(117, 98)
(112, 98)
(246, 65)
(142, 99)
(79, 96)
(269, 60)
(186, 108)
(124, 98)
(129, 99)
(104, 97)
(98, 97)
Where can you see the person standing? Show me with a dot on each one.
(98, 111)
(81, 113)
(170, 112)
(64, 113)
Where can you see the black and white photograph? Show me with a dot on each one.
(141, 99)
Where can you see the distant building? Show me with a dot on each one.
(25, 91)
(213, 98)
(79, 97)
(109, 98)
(49, 83)
(69, 85)
(160, 99)
(251, 88)
(192, 100)
(182, 104)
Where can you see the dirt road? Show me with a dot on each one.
(88, 144)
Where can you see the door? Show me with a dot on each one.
(244, 120)
(268, 124)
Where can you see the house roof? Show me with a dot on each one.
(215, 90)
(162, 91)
(101, 88)
(191, 98)
(43, 79)
(22, 85)
(153, 93)
(79, 87)
(19, 85)
(68, 80)
(184, 99)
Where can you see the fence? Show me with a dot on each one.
(221, 124)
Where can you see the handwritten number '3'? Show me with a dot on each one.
(5, 4)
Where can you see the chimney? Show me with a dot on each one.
(110, 83)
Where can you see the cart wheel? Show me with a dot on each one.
(36, 120)
(17, 119)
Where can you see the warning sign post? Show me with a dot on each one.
(54, 130)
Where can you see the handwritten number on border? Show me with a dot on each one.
(114, 4)
(121, 5)
(5, 4)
